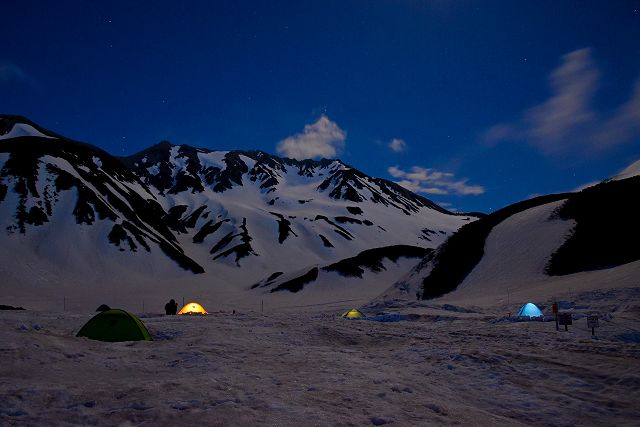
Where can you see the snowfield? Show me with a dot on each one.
(276, 249)
(174, 221)
(308, 366)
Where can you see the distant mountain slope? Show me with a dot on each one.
(630, 171)
(236, 216)
(326, 207)
(175, 169)
(37, 174)
(524, 243)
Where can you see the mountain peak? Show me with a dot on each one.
(19, 126)
(233, 215)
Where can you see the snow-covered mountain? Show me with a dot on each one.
(539, 247)
(73, 213)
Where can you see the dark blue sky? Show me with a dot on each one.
(516, 97)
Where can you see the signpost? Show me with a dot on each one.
(565, 319)
(592, 322)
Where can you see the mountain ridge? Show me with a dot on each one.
(234, 215)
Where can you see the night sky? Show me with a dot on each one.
(476, 104)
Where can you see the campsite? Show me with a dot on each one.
(312, 366)
(333, 213)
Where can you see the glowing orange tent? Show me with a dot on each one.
(193, 308)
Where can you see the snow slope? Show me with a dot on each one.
(517, 252)
(535, 250)
(23, 129)
(632, 170)
(87, 225)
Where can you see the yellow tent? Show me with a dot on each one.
(193, 308)
(354, 313)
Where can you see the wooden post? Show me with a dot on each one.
(565, 319)
(262, 309)
(592, 322)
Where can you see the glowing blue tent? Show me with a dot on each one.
(530, 310)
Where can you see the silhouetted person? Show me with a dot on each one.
(171, 307)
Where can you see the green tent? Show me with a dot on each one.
(115, 325)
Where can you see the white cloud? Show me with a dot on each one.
(499, 132)
(624, 124)
(11, 73)
(323, 138)
(398, 145)
(448, 206)
(567, 121)
(431, 181)
(569, 109)
(395, 172)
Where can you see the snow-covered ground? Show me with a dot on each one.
(460, 361)
(307, 366)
